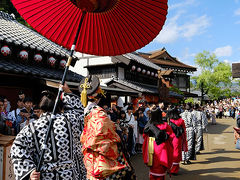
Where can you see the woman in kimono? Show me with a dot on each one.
(179, 139)
(104, 156)
(63, 157)
(157, 145)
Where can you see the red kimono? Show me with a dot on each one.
(162, 154)
(100, 149)
(179, 145)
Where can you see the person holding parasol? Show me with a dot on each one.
(63, 158)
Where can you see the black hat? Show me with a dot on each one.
(91, 84)
(90, 88)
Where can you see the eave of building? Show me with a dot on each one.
(14, 33)
(99, 65)
(166, 61)
(19, 69)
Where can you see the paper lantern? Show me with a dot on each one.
(133, 68)
(5, 50)
(148, 72)
(63, 63)
(139, 69)
(156, 75)
(51, 61)
(38, 58)
(143, 71)
(152, 73)
(23, 55)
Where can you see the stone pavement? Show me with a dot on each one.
(220, 160)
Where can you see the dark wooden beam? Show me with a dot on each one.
(236, 70)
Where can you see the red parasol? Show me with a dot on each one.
(110, 27)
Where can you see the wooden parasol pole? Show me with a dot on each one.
(44, 147)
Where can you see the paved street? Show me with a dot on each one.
(219, 160)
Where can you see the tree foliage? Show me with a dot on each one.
(189, 100)
(215, 77)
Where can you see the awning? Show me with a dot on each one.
(175, 95)
(188, 94)
(13, 67)
(74, 86)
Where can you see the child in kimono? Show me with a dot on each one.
(157, 145)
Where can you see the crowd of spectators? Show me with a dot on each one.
(129, 122)
(13, 120)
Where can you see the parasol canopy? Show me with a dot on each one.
(109, 28)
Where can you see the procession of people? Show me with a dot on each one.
(92, 142)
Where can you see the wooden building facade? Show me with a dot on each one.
(179, 78)
(29, 61)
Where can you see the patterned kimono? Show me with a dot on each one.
(190, 123)
(179, 145)
(102, 157)
(63, 158)
(201, 122)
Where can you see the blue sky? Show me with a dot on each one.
(196, 25)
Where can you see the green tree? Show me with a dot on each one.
(215, 77)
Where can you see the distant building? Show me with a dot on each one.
(179, 78)
(129, 72)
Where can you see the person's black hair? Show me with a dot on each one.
(27, 99)
(196, 106)
(173, 113)
(156, 116)
(141, 109)
(21, 92)
(188, 106)
(122, 112)
(36, 107)
(1, 99)
(130, 108)
(19, 99)
(47, 102)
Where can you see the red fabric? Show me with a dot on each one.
(163, 153)
(175, 168)
(179, 143)
(128, 26)
(158, 170)
(99, 145)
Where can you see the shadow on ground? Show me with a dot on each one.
(217, 129)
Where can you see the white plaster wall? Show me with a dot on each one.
(86, 60)
(100, 60)
(120, 73)
(79, 67)
(103, 81)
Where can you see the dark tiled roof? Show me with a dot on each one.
(136, 57)
(143, 88)
(13, 32)
(163, 59)
(36, 71)
(174, 94)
